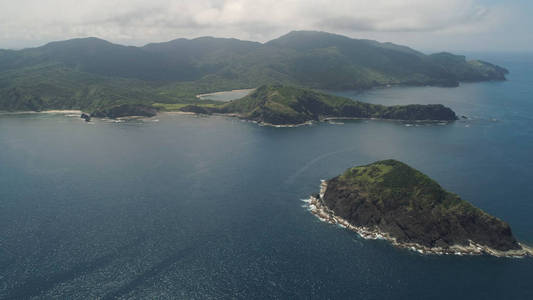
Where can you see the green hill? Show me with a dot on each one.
(412, 209)
(327, 60)
(288, 105)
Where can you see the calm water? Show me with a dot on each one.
(192, 207)
(226, 95)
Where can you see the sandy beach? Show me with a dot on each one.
(57, 111)
(54, 111)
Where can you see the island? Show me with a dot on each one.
(91, 74)
(390, 200)
(281, 105)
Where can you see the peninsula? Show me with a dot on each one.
(392, 201)
(280, 105)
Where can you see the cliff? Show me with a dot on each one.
(412, 210)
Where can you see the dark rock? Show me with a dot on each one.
(86, 117)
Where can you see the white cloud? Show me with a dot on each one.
(135, 21)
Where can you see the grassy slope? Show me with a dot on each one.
(393, 179)
(412, 207)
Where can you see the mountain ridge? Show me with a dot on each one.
(177, 70)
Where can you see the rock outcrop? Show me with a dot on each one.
(125, 110)
(407, 207)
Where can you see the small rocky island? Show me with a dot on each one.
(390, 200)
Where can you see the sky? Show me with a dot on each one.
(427, 25)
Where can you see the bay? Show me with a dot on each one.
(180, 206)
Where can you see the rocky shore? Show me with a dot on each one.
(317, 205)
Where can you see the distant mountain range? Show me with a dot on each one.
(92, 73)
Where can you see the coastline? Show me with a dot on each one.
(59, 111)
(308, 123)
(51, 111)
(317, 207)
(331, 120)
(77, 113)
(177, 112)
(327, 119)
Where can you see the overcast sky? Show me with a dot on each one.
(429, 25)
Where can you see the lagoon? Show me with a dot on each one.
(225, 96)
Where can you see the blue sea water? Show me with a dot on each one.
(210, 207)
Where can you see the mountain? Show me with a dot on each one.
(328, 60)
(391, 199)
(91, 73)
(288, 105)
(97, 56)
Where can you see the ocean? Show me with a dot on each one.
(181, 206)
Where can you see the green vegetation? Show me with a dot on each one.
(391, 179)
(288, 105)
(169, 106)
(93, 74)
(412, 207)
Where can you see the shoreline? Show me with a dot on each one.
(330, 120)
(59, 111)
(308, 123)
(327, 119)
(51, 111)
(317, 207)
(77, 114)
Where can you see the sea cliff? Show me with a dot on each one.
(392, 201)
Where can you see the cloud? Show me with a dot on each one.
(137, 22)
